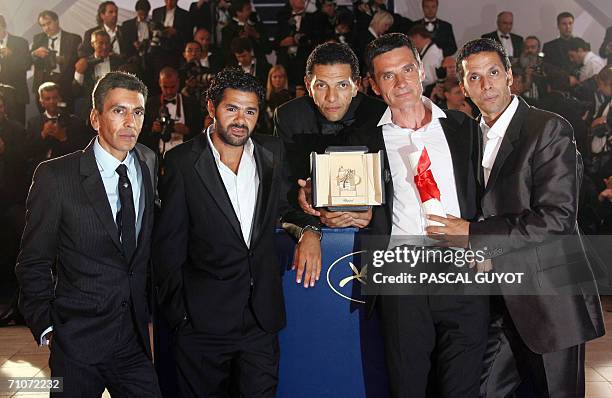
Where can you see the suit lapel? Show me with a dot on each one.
(460, 156)
(206, 168)
(94, 189)
(147, 177)
(264, 159)
(507, 144)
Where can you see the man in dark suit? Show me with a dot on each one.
(246, 58)
(89, 69)
(85, 252)
(441, 31)
(555, 51)
(530, 178)
(54, 53)
(211, 56)
(184, 119)
(333, 109)
(106, 19)
(14, 64)
(138, 30)
(55, 132)
(244, 23)
(177, 29)
(202, 14)
(511, 42)
(429, 338)
(216, 270)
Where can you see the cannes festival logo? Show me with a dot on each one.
(342, 271)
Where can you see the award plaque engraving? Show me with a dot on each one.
(347, 179)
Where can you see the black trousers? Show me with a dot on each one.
(127, 372)
(512, 369)
(216, 366)
(434, 345)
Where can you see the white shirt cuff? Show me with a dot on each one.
(79, 77)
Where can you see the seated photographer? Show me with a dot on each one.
(170, 118)
(446, 72)
(88, 70)
(531, 60)
(55, 132)
(195, 78)
(211, 57)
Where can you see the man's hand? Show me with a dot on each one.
(181, 129)
(454, 231)
(40, 52)
(5, 52)
(304, 195)
(169, 31)
(48, 129)
(191, 82)
(81, 66)
(598, 121)
(287, 42)
(307, 259)
(156, 127)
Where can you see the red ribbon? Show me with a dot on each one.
(424, 180)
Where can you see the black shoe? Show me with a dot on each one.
(11, 317)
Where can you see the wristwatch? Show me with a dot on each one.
(313, 229)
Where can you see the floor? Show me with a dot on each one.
(21, 357)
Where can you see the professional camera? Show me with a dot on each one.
(440, 75)
(532, 61)
(63, 116)
(196, 71)
(51, 60)
(93, 61)
(166, 122)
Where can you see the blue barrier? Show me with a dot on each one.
(329, 348)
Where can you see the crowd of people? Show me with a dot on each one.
(333, 70)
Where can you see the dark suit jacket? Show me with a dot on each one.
(461, 135)
(13, 181)
(69, 223)
(85, 49)
(517, 42)
(129, 35)
(69, 45)
(13, 69)
(604, 44)
(202, 266)
(182, 23)
(443, 36)
(555, 53)
(532, 197)
(193, 119)
(202, 17)
(261, 46)
(82, 92)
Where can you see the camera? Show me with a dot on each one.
(194, 70)
(93, 61)
(440, 75)
(166, 122)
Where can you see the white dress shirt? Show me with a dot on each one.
(408, 216)
(100, 69)
(57, 47)
(591, 66)
(169, 20)
(113, 37)
(492, 136)
(143, 29)
(242, 187)
(431, 60)
(507, 43)
(175, 138)
(107, 165)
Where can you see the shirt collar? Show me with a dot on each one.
(436, 112)
(500, 34)
(57, 36)
(373, 32)
(110, 31)
(107, 163)
(501, 124)
(249, 147)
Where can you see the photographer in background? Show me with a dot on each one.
(14, 64)
(446, 72)
(170, 118)
(55, 132)
(54, 53)
(89, 69)
(195, 78)
(531, 60)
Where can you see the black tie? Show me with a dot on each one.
(170, 101)
(505, 37)
(52, 45)
(126, 216)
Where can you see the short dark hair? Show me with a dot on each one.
(331, 54)
(114, 80)
(240, 45)
(564, 14)
(576, 43)
(386, 43)
(237, 79)
(557, 79)
(143, 5)
(102, 9)
(480, 46)
(419, 30)
(48, 14)
(237, 5)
